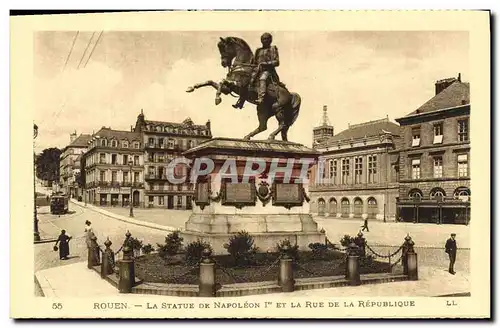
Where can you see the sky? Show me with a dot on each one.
(360, 76)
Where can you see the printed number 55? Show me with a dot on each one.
(57, 306)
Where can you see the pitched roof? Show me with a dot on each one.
(455, 95)
(186, 123)
(367, 129)
(108, 133)
(81, 141)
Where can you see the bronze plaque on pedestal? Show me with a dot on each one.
(288, 194)
(238, 194)
(202, 194)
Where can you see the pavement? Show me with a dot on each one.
(152, 225)
(76, 280)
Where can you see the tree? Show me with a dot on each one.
(47, 164)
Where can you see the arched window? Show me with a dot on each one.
(344, 207)
(372, 207)
(159, 128)
(103, 142)
(358, 207)
(125, 144)
(437, 193)
(321, 207)
(114, 143)
(415, 194)
(462, 193)
(332, 207)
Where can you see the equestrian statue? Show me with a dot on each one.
(255, 80)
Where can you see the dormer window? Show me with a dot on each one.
(125, 144)
(114, 143)
(136, 145)
(103, 142)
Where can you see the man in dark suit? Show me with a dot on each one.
(451, 249)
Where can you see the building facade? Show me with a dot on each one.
(163, 142)
(114, 168)
(357, 173)
(435, 158)
(69, 164)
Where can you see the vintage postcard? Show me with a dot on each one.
(281, 164)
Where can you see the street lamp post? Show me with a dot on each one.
(131, 163)
(35, 215)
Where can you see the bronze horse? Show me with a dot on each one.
(237, 56)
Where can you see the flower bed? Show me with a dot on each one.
(265, 267)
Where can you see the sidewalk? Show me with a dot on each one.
(76, 280)
(140, 220)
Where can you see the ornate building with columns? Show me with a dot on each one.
(357, 174)
(163, 141)
(113, 165)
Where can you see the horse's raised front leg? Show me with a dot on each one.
(210, 83)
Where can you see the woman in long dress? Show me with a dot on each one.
(63, 241)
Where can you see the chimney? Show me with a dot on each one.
(443, 84)
(208, 125)
(72, 137)
(459, 77)
(131, 128)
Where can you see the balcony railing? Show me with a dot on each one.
(115, 184)
(156, 177)
(447, 200)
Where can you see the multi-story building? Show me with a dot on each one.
(69, 164)
(164, 141)
(113, 165)
(435, 157)
(357, 173)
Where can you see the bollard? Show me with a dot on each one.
(404, 257)
(353, 275)
(361, 241)
(108, 259)
(127, 272)
(207, 275)
(412, 266)
(285, 278)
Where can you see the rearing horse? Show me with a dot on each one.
(237, 56)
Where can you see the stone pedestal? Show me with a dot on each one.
(261, 198)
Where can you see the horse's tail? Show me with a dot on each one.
(295, 105)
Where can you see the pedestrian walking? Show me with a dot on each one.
(365, 225)
(88, 232)
(451, 249)
(63, 241)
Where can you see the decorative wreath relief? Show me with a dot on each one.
(264, 193)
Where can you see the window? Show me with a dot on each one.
(114, 176)
(151, 157)
(136, 160)
(160, 157)
(190, 144)
(125, 144)
(438, 133)
(125, 159)
(103, 142)
(170, 143)
(415, 169)
(161, 200)
(463, 130)
(114, 143)
(438, 167)
(415, 132)
(113, 158)
(102, 158)
(151, 200)
(358, 169)
(179, 201)
(137, 145)
(102, 176)
(372, 169)
(345, 171)
(151, 141)
(330, 169)
(437, 194)
(160, 142)
(463, 166)
(415, 194)
(125, 176)
(462, 193)
(136, 176)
